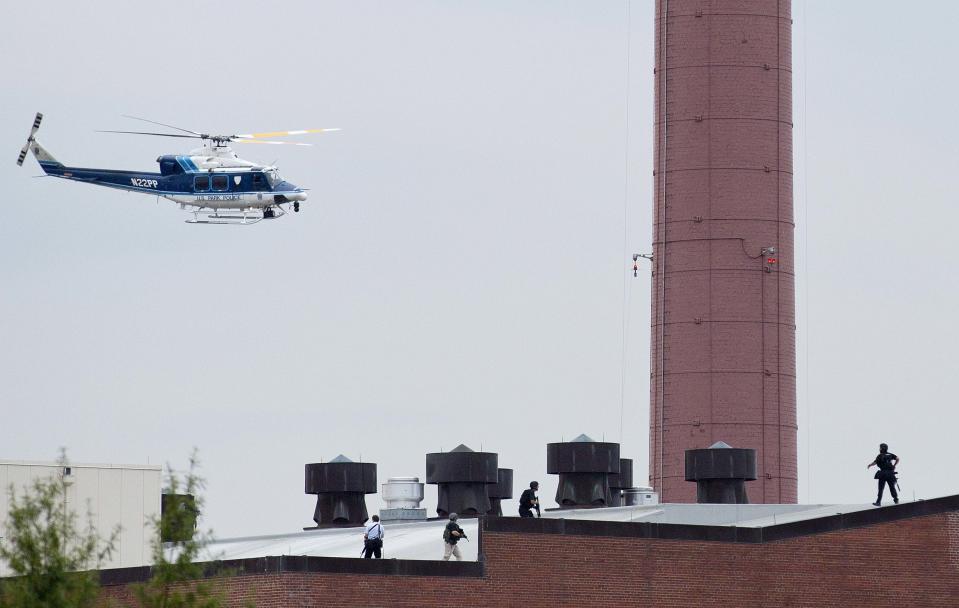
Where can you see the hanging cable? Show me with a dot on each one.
(805, 196)
(625, 319)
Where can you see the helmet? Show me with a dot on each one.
(533, 485)
(883, 447)
(454, 516)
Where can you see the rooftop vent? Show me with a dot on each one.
(340, 487)
(461, 476)
(640, 496)
(721, 472)
(584, 467)
(620, 481)
(403, 496)
(503, 488)
(185, 521)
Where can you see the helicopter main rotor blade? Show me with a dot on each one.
(281, 133)
(161, 124)
(158, 134)
(268, 141)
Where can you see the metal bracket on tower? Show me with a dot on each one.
(636, 256)
(770, 253)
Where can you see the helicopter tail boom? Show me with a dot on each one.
(46, 160)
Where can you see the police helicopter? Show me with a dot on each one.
(211, 180)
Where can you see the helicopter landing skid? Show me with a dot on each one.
(243, 219)
(226, 219)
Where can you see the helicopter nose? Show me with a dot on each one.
(297, 196)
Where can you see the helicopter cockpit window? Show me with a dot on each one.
(202, 182)
(274, 177)
(259, 181)
(169, 166)
(220, 182)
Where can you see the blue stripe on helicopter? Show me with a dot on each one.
(203, 193)
(182, 184)
(232, 194)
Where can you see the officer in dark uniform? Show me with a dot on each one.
(528, 501)
(887, 462)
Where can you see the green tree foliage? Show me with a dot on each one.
(49, 555)
(177, 580)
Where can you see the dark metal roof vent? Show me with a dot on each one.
(184, 525)
(462, 476)
(584, 467)
(503, 488)
(621, 481)
(721, 472)
(340, 487)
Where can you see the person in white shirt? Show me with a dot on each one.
(373, 539)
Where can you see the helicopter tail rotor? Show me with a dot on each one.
(33, 132)
(50, 165)
(23, 154)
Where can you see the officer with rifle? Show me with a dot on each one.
(452, 535)
(528, 501)
(887, 462)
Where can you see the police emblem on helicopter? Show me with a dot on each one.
(212, 182)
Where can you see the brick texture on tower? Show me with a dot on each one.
(723, 347)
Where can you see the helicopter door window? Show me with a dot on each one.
(201, 183)
(221, 182)
(259, 181)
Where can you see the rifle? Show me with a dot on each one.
(533, 504)
(462, 535)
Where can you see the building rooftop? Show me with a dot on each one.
(423, 540)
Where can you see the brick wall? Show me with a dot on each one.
(830, 569)
(830, 561)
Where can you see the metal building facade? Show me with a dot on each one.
(127, 496)
(723, 305)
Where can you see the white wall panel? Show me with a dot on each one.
(124, 495)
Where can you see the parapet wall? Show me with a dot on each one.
(826, 562)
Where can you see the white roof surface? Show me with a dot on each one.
(402, 540)
(424, 539)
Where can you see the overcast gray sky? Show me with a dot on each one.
(458, 273)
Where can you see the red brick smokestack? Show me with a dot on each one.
(723, 342)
